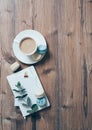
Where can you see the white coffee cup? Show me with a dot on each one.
(28, 46)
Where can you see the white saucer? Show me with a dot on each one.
(38, 37)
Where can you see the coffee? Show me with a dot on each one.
(28, 46)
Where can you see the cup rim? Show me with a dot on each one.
(28, 54)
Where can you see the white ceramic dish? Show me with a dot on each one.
(38, 37)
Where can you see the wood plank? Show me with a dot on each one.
(6, 100)
(69, 64)
(0, 92)
(87, 75)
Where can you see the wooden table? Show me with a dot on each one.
(66, 71)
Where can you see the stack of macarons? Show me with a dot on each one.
(41, 98)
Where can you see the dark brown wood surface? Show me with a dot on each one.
(65, 71)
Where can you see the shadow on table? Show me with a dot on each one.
(36, 116)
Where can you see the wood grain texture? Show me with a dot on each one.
(65, 71)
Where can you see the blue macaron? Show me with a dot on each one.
(41, 102)
(42, 49)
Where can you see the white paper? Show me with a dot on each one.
(30, 83)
